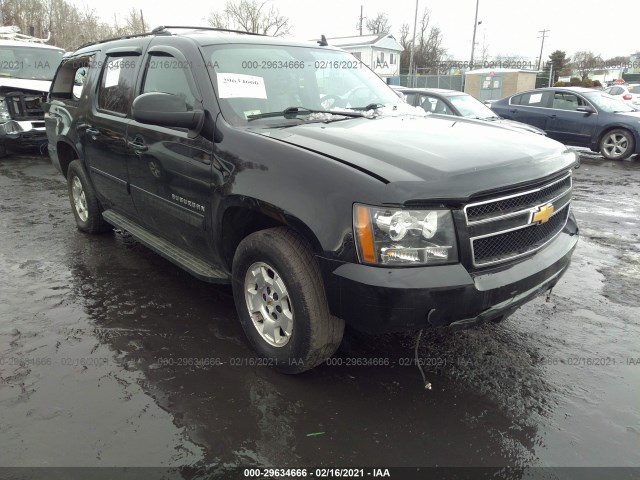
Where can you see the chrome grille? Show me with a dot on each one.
(503, 228)
(481, 211)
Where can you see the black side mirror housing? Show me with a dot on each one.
(585, 109)
(166, 110)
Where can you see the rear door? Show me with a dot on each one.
(170, 168)
(531, 108)
(102, 132)
(568, 125)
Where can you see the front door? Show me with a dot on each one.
(170, 168)
(568, 125)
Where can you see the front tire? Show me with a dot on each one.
(617, 144)
(84, 203)
(281, 302)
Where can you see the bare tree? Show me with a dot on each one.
(585, 62)
(484, 51)
(134, 23)
(379, 24)
(68, 25)
(510, 60)
(428, 50)
(251, 16)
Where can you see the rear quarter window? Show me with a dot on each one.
(71, 78)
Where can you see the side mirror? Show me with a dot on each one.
(586, 109)
(166, 110)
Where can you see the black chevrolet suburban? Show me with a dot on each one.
(291, 171)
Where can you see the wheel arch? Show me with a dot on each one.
(610, 128)
(66, 153)
(240, 217)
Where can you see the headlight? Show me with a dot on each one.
(392, 236)
(4, 111)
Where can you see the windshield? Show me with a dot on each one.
(29, 62)
(252, 80)
(469, 107)
(607, 103)
(634, 89)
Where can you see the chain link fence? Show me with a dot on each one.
(450, 82)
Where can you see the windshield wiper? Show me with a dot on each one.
(371, 106)
(295, 111)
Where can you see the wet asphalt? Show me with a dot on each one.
(111, 356)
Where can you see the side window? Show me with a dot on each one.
(71, 78)
(117, 84)
(534, 99)
(567, 101)
(434, 105)
(411, 98)
(516, 100)
(166, 74)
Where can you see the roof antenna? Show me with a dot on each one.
(323, 41)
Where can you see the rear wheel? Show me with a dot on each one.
(281, 301)
(617, 144)
(84, 203)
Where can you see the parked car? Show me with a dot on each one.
(26, 71)
(453, 102)
(212, 148)
(579, 117)
(630, 94)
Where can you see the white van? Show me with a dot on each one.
(26, 71)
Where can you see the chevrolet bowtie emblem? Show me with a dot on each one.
(543, 214)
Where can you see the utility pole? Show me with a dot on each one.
(473, 42)
(544, 35)
(361, 19)
(142, 21)
(413, 44)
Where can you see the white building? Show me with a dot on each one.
(380, 52)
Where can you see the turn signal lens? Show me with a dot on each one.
(364, 234)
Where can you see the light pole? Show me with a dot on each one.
(413, 43)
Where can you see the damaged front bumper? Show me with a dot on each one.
(23, 135)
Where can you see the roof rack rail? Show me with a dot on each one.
(122, 37)
(162, 28)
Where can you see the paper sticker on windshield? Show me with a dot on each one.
(113, 73)
(237, 85)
